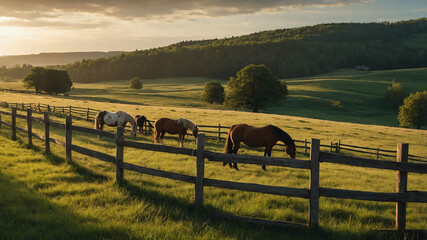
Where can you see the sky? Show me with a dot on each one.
(35, 26)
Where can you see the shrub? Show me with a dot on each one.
(394, 95)
(213, 93)
(135, 83)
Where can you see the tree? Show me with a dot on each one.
(135, 83)
(394, 95)
(254, 86)
(214, 92)
(48, 80)
(414, 110)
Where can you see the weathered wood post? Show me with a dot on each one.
(87, 114)
(219, 132)
(401, 186)
(13, 123)
(119, 154)
(68, 137)
(305, 145)
(339, 146)
(38, 106)
(30, 127)
(314, 183)
(378, 153)
(200, 171)
(331, 146)
(0, 121)
(69, 110)
(46, 132)
(48, 108)
(22, 106)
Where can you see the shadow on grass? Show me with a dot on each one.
(203, 217)
(26, 215)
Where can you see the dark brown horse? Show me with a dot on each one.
(140, 122)
(265, 137)
(171, 126)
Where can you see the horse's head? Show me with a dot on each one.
(291, 149)
(134, 130)
(196, 131)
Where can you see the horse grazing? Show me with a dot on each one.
(111, 119)
(140, 122)
(265, 137)
(179, 126)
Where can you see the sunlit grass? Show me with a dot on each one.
(145, 204)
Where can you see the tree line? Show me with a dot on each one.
(295, 52)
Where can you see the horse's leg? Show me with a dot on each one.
(162, 135)
(181, 140)
(101, 126)
(235, 149)
(267, 152)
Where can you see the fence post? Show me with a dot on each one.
(401, 186)
(314, 183)
(378, 153)
(0, 121)
(30, 127)
(13, 123)
(219, 132)
(339, 146)
(200, 171)
(87, 114)
(46, 132)
(38, 106)
(119, 154)
(331, 147)
(68, 137)
(69, 112)
(305, 145)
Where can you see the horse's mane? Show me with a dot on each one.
(282, 136)
(187, 123)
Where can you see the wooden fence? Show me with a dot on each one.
(218, 132)
(312, 193)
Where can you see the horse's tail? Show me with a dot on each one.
(96, 121)
(228, 143)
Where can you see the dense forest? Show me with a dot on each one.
(294, 52)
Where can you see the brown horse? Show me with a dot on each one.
(265, 137)
(140, 122)
(179, 126)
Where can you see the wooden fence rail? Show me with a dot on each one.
(313, 193)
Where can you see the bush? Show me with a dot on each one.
(414, 110)
(48, 80)
(394, 95)
(135, 83)
(213, 93)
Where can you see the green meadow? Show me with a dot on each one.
(44, 197)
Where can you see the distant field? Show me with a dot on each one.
(344, 95)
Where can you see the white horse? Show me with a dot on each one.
(112, 119)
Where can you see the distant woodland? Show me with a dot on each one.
(295, 52)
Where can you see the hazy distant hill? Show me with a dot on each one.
(293, 52)
(44, 59)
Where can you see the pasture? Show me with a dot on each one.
(81, 198)
(344, 95)
(144, 202)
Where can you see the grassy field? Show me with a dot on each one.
(52, 199)
(344, 95)
(85, 199)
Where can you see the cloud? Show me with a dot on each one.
(54, 12)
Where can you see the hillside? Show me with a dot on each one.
(294, 52)
(44, 59)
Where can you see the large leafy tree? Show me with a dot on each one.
(213, 93)
(48, 80)
(254, 86)
(414, 110)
